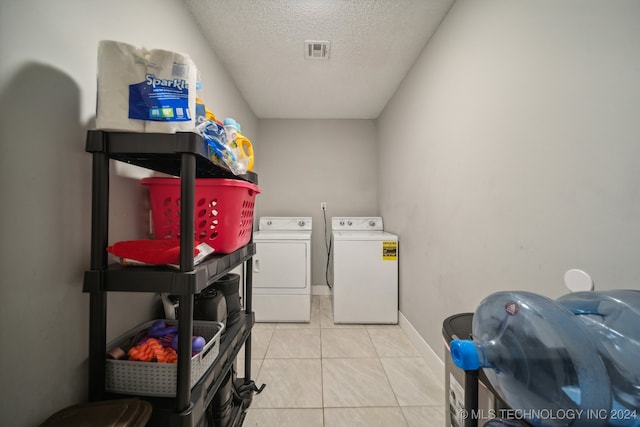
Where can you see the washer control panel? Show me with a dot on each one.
(281, 223)
(357, 223)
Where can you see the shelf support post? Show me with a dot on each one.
(97, 298)
(248, 305)
(185, 321)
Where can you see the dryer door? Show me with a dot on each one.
(280, 265)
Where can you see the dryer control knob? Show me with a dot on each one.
(269, 222)
(372, 223)
(349, 223)
(301, 223)
(341, 222)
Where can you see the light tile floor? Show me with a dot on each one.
(321, 374)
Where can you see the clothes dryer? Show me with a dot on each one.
(282, 270)
(365, 271)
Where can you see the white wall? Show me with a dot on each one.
(47, 103)
(301, 163)
(510, 155)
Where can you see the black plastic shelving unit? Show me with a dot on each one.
(183, 154)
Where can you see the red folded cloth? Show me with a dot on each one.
(156, 252)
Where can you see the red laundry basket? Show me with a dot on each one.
(223, 211)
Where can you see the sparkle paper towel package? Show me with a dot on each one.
(174, 79)
(119, 65)
(142, 90)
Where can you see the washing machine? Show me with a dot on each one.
(364, 271)
(282, 270)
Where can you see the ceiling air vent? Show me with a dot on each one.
(314, 49)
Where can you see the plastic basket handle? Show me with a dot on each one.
(208, 346)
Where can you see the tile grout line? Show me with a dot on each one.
(321, 365)
(386, 375)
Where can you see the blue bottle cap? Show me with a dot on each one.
(230, 122)
(465, 355)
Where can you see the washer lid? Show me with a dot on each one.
(364, 235)
(279, 223)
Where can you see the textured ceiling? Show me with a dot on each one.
(374, 43)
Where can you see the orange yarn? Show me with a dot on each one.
(169, 355)
(152, 351)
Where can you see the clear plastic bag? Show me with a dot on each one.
(221, 150)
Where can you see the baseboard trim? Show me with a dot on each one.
(427, 353)
(320, 290)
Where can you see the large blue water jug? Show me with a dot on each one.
(539, 359)
(613, 320)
